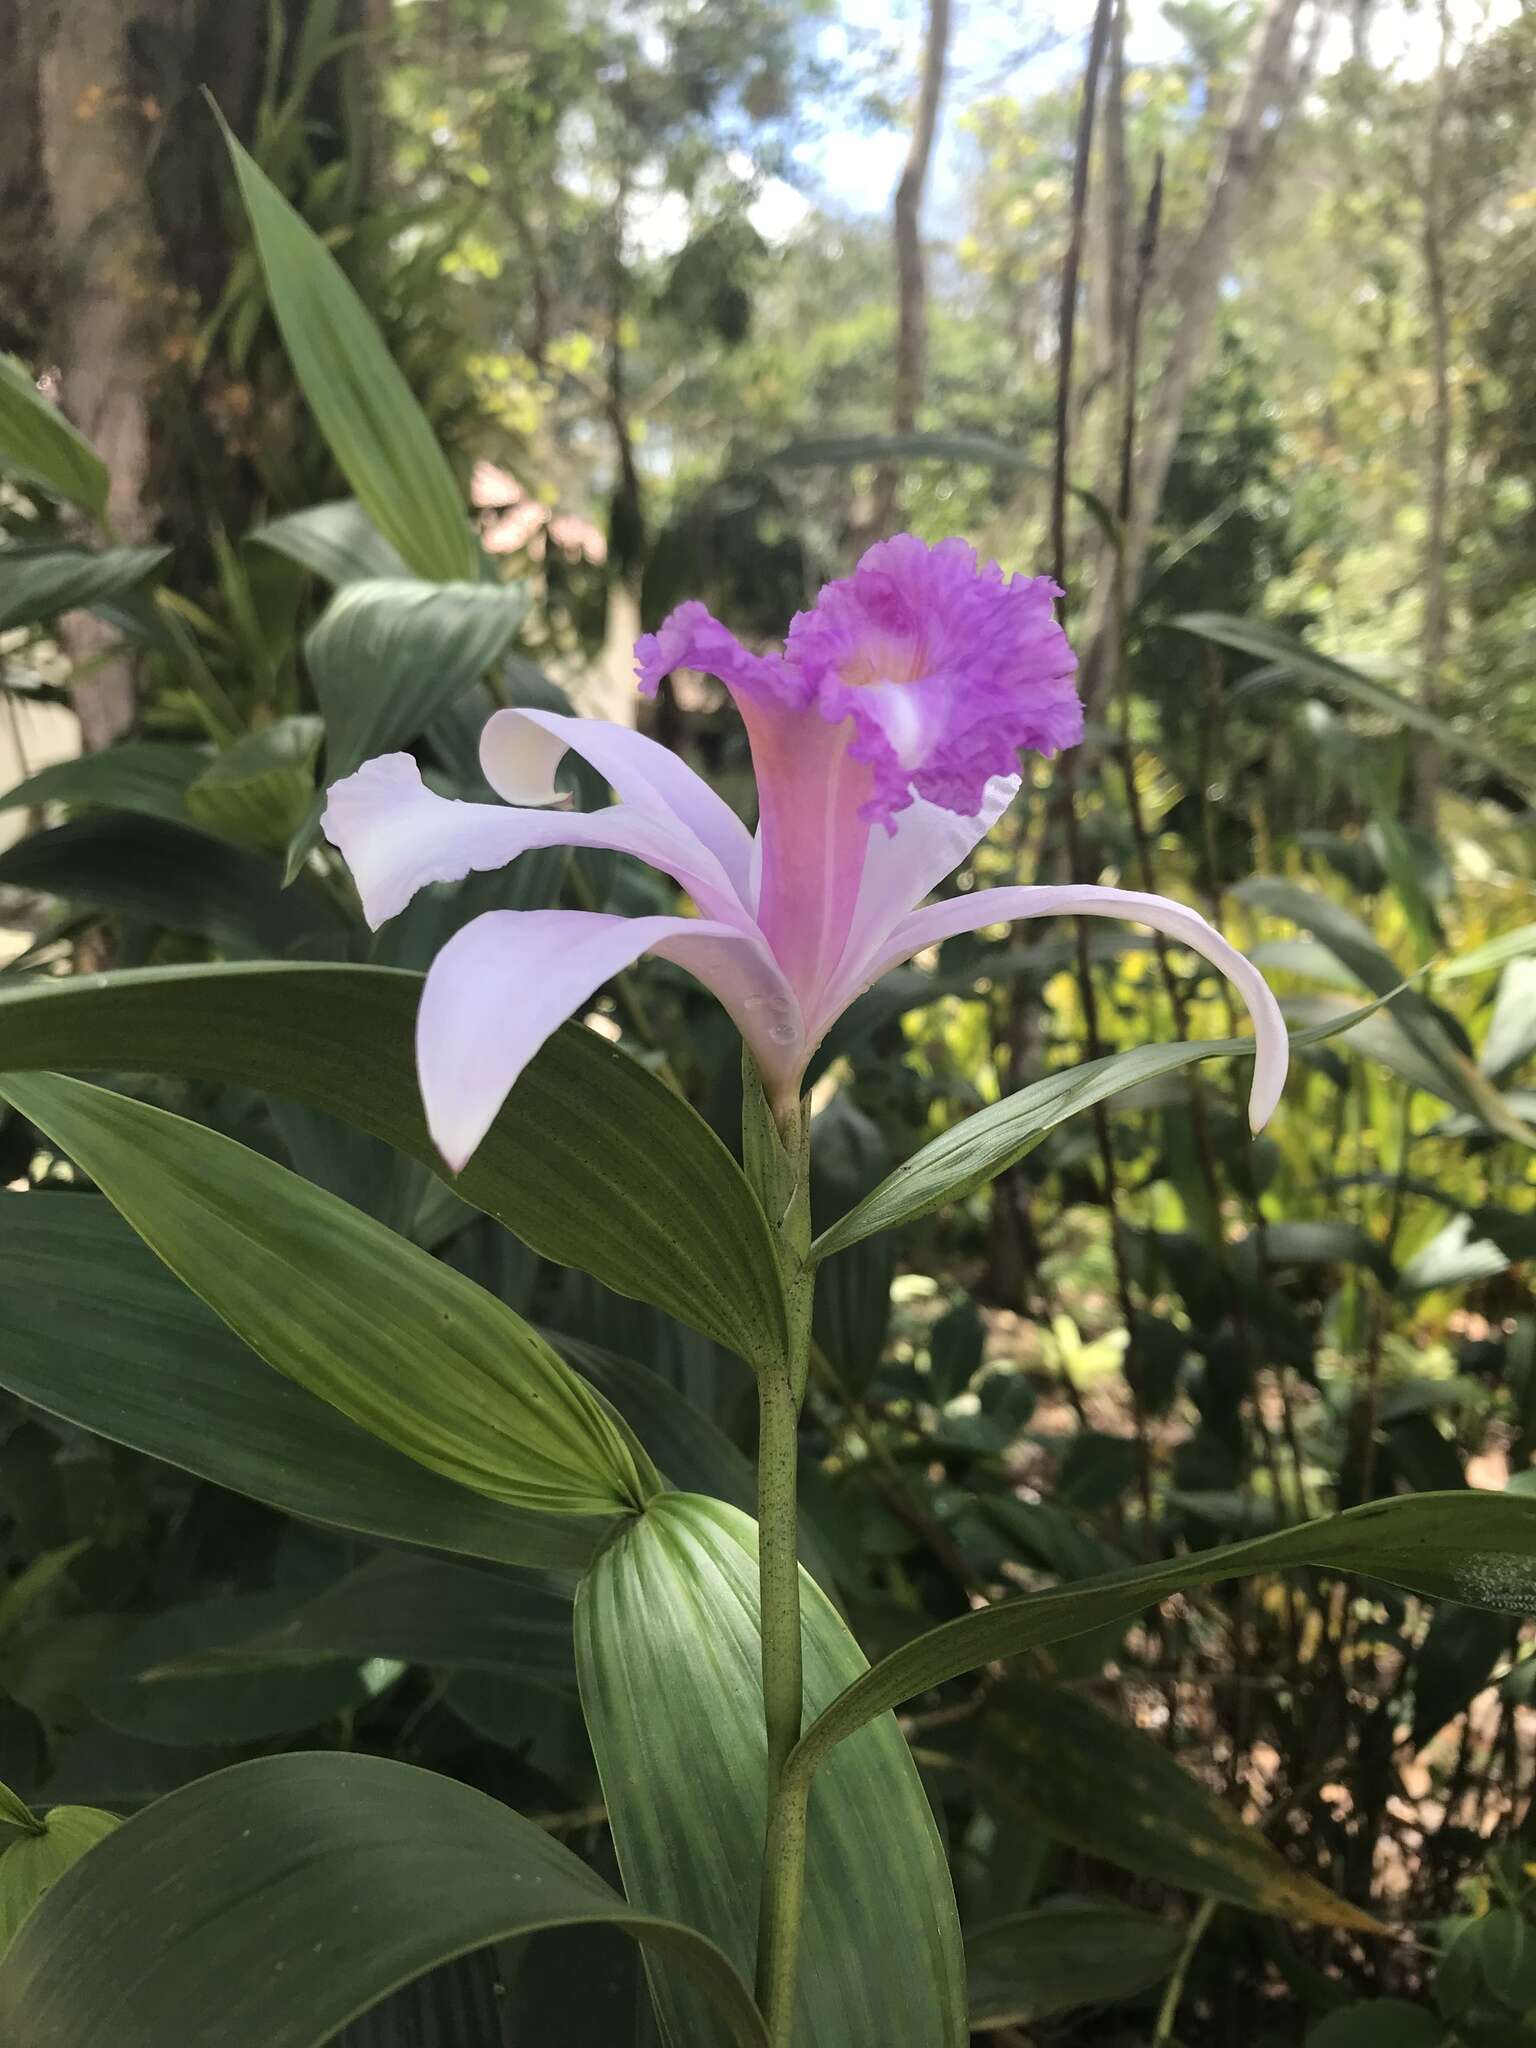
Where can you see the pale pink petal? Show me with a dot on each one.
(397, 835)
(520, 750)
(812, 843)
(509, 978)
(941, 921)
(901, 867)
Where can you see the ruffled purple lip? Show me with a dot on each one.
(944, 668)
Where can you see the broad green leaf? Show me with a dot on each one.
(982, 1146)
(668, 1652)
(1115, 1793)
(388, 656)
(40, 446)
(38, 583)
(138, 1689)
(593, 1162)
(458, 2005)
(337, 542)
(30, 1864)
(1250, 636)
(365, 409)
(417, 1610)
(1076, 1952)
(400, 1343)
(1479, 1548)
(1380, 2023)
(148, 776)
(290, 1895)
(170, 876)
(258, 791)
(95, 1330)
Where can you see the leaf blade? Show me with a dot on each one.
(394, 1869)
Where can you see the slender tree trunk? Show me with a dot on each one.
(109, 292)
(113, 240)
(1194, 289)
(1426, 774)
(911, 277)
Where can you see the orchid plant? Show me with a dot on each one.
(278, 1340)
(885, 740)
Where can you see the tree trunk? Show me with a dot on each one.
(114, 238)
(1426, 765)
(1271, 85)
(109, 294)
(911, 278)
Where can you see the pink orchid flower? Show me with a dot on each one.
(885, 740)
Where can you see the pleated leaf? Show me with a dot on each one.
(31, 1863)
(290, 1895)
(148, 776)
(667, 1651)
(37, 583)
(593, 1162)
(409, 1349)
(39, 445)
(95, 1330)
(363, 406)
(388, 655)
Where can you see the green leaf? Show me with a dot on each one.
(1403, 1031)
(170, 876)
(982, 1146)
(593, 1162)
(137, 1690)
(1453, 1257)
(337, 542)
(1032, 1966)
(668, 1652)
(32, 1863)
(38, 583)
(1249, 636)
(293, 1893)
(95, 1330)
(16, 1817)
(148, 776)
(1515, 945)
(1379, 2023)
(417, 1610)
(388, 656)
(39, 445)
(1479, 1548)
(1117, 1794)
(842, 451)
(259, 791)
(1510, 1038)
(372, 424)
(400, 1343)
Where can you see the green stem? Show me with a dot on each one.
(779, 1569)
(776, 1155)
(1168, 2011)
(778, 1935)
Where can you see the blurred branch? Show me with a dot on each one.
(911, 279)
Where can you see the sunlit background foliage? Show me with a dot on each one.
(636, 264)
